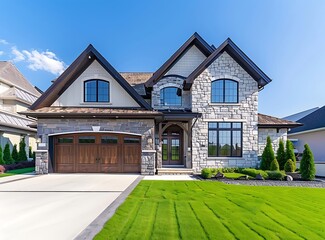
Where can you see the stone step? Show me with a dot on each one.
(174, 171)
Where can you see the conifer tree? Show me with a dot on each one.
(307, 165)
(6, 154)
(14, 153)
(268, 155)
(281, 155)
(290, 154)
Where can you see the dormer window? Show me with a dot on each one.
(224, 91)
(96, 91)
(171, 96)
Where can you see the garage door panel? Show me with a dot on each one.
(87, 154)
(132, 154)
(109, 154)
(65, 154)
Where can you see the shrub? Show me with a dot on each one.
(253, 172)
(14, 153)
(22, 156)
(229, 170)
(1, 157)
(290, 154)
(281, 155)
(268, 155)
(6, 155)
(274, 166)
(19, 165)
(289, 166)
(206, 173)
(307, 165)
(275, 175)
(2, 169)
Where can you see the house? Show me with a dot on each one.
(16, 94)
(199, 109)
(312, 132)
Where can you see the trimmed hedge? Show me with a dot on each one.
(275, 175)
(274, 165)
(206, 173)
(289, 166)
(253, 172)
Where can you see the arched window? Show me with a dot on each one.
(224, 91)
(96, 91)
(171, 96)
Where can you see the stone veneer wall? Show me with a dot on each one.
(275, 137)
(245, 111)
(172, 81)
(145, 127)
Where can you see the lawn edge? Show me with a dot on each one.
(97, 225)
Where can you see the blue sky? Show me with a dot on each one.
(284, 38)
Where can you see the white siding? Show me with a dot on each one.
(73, 96)
(188, 62)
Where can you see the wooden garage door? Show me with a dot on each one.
(92, 153)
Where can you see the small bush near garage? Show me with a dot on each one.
(20, 165)
(2, 169)
(289, 166)
(275, 175)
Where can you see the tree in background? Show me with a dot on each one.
(268, 155)
(290, 154)
(281, 155)
(307, 164)
(30, 152)
(6, 154)
(1, 158)
(22, 156)
(14, 154)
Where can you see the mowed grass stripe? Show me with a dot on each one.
(213, 210)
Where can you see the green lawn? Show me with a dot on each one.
(214, 210)
(17, 171)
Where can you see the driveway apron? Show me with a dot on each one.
(57, 206)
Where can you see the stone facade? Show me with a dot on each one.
(274, 135)
(225, 67)
(145, 127)
(171, 81)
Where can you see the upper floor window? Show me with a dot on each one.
(96, 91)
(171, 96)
(224, 91)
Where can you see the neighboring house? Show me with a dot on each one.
(16, 95)
(199, 109)
(312, 132)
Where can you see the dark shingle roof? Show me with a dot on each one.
(312, 121)
(269, 121)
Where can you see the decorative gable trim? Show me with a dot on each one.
(196, 40)
(83, 61)
(239, 56)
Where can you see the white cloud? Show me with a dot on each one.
(2, 41)
(1, 53)
(18, 55)
(46, 61)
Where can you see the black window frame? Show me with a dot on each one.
(162, 100)
(217, 129)
(97, 81)
(224, 90)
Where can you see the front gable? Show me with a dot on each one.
(74, 95)
(67, 90)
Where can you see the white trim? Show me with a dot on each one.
(307, 131)
(95, 104)
(149, 151)
(225, 158)
(76, 132)
(223, 120)
(40, 151)
(224, 104)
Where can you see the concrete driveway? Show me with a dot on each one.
(56, 206)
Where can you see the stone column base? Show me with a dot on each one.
(41, 162)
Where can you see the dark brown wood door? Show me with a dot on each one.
(172, 146)
(91, 153)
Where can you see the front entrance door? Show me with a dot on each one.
(172, 146)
